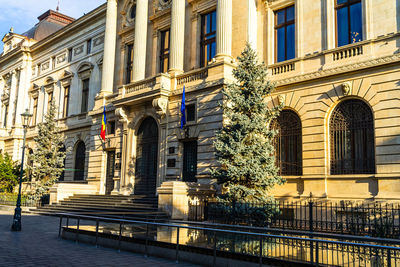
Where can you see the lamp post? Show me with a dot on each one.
(16, 226)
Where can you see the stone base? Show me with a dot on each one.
(61, 191)
(174, 197)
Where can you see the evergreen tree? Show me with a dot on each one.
(48, 157)
(244, 145)
(9, 171)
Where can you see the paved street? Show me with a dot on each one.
(38, 245)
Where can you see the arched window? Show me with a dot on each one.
(80, 156)
(132, 13)
(287, 142)
(352, 138)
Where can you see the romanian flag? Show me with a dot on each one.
(103, 125)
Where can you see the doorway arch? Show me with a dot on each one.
(146, 158)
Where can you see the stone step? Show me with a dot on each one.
(123, 204)
(97, 212)
(121, 207)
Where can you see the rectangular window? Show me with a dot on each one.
(191, 112)
(85, 95)
(49, 100)
(164, 51)
(34, 114)
(111, 127)
(129, 64)
(66, 101)
(348, 21)
(284, 34)
(69, 54)
(207, 38)
(5, 116)
(89, 46)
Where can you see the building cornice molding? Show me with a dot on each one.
(339, 70)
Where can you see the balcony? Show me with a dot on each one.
(352, 57)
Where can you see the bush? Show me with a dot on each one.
(9, 171)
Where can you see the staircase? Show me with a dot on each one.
(135, 207)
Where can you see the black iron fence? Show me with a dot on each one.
(282, 249)
(26, 201)
(345, 217)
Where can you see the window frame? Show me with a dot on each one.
(129, 63)
(339, 6)
(164, 52)
(204, 42)
(284, 25)
(66, 101)
(85, 95)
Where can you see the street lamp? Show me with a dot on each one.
(16, 226)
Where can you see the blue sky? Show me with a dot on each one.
(22, 14)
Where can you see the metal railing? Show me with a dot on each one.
(11, 200)
(344, 217)
(260, 247)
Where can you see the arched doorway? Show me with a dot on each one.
(146, 158)
(80, 157)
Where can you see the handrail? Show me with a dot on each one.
(226, 231)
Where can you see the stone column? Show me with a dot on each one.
(1, 102)
(177, 36)
(224, 30)
(252, 23)
(22, 95)
(110, 39)
(139, 49)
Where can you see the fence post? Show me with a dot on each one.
(59, 229)
(205, 211)
(120, 236)
(261, 251)
(316, 254)
(177, 245)
(77, 230)
(147, 241)
(215, 250)
(97, 231)
(310, 211)
(389, 258)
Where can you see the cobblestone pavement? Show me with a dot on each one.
(38, 245)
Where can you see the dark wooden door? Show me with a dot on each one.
(146, 158)
(110, 172)
(190, 161)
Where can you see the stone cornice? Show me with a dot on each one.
(339, 70)
(82, 21)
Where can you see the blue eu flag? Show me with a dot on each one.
(183, 109)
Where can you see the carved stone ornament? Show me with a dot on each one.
(121, 113)
(281, 99)
(160, 5)
(160, 105)
(346, 88)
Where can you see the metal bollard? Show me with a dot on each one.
(177, 245)
(77, 230)
(59, 229)
(97, 231)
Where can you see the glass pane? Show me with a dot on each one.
(213, 21)
(280, 44)
(280, 17)
(342, 26)
(341, 2)
(290, 13)
(208, 23)
(355, 23)
(290, 42)
(212, 51)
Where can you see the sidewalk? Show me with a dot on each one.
(38, 245)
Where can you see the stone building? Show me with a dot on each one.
(335, 64)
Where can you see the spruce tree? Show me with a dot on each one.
(9, 171)
(48, 157)
(244, 145)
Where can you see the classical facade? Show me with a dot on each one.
(334, 62)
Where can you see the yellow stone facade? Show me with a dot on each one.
(312, 84)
